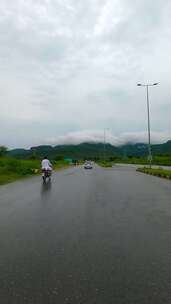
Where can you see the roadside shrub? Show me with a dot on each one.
(20, 167)
(59, 157)
(160, 172)
(13, 165)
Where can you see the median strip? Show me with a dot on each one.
(156, 172)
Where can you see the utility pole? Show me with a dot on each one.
(150, 157)
(104, 146)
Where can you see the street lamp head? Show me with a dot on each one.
(147, 85)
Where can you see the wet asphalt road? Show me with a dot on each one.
(101, 236)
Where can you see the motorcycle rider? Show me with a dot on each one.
(46, 164)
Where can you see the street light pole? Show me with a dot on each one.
(149, 129)
(148, 114)
(104, 146)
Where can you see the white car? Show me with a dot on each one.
(88, 165)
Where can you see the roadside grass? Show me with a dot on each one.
(105, 164)
(12, 169)
(157, 160)
(162, 160)
(61, 164)
(156, 172)
(135, 161)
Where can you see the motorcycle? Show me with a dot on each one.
(46, 175)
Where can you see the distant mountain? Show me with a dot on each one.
(134, 150)
(84, 150)
(162, 148)
(91, 150)
(142, 149)
(19, 153)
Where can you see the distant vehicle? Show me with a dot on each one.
(88, 165)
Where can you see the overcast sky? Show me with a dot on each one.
(69, 69)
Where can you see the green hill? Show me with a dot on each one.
(80, 151)
(91, 151)
(162, 149)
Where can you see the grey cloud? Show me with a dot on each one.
(76, 64)
(97, 136)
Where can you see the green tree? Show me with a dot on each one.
(33, 156)
(3, 150)
(59, 157)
